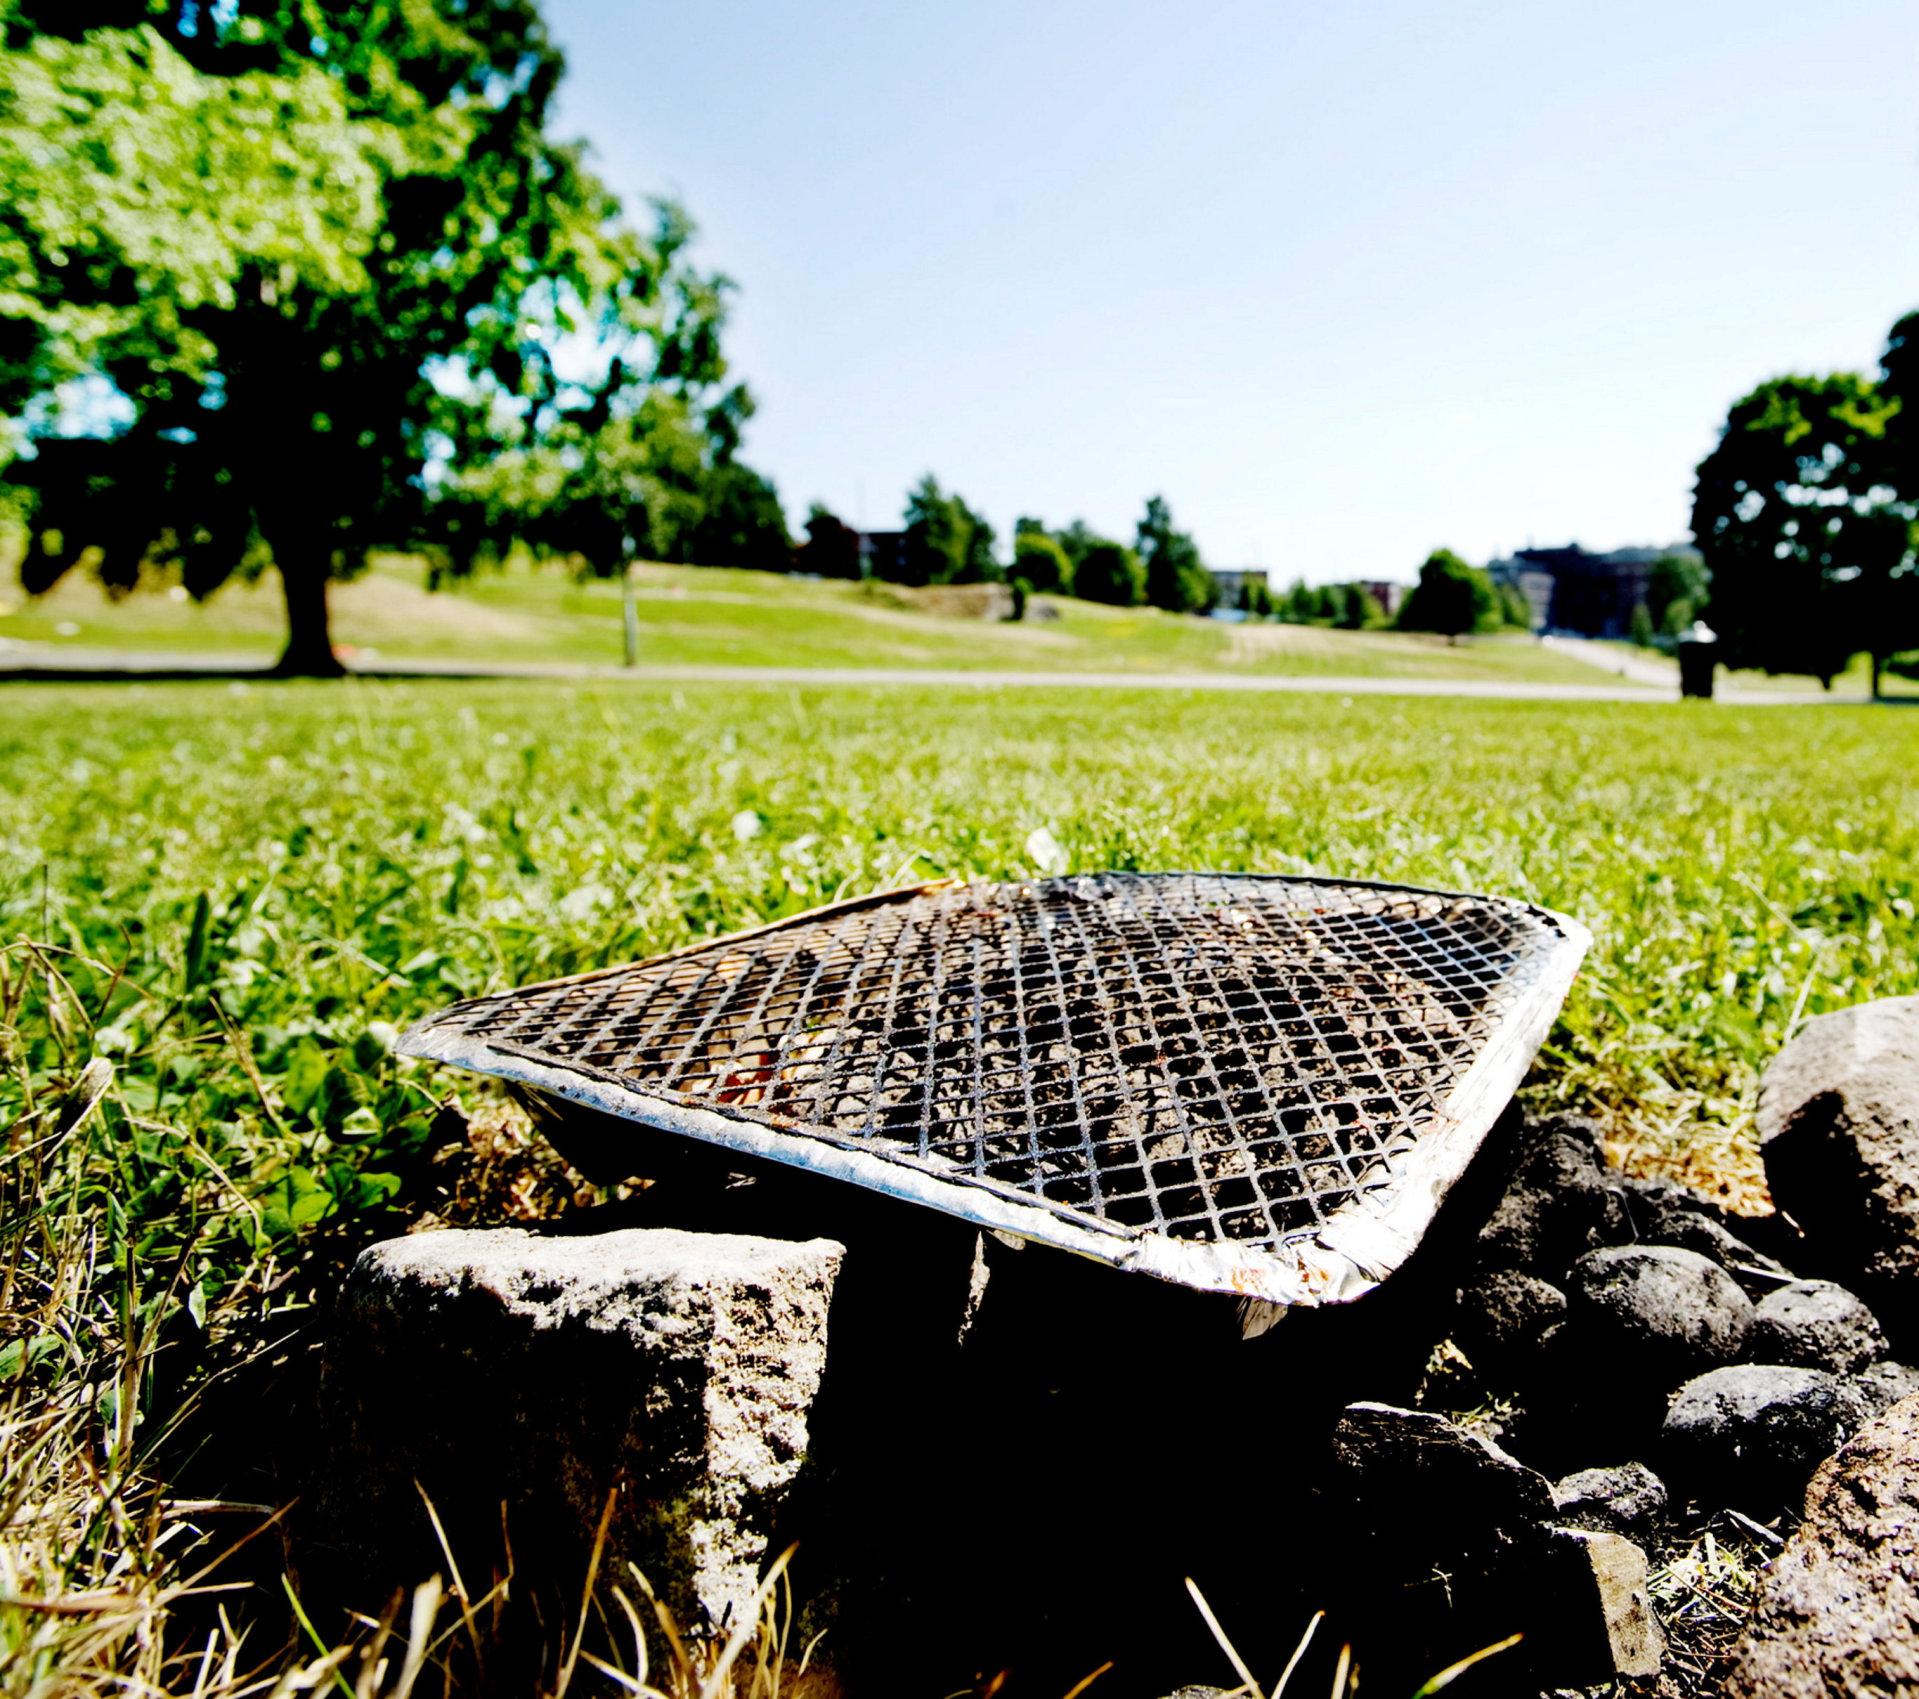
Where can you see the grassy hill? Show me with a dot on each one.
(713, 616)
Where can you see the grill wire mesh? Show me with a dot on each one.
(1205, 1057)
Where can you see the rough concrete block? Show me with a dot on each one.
(1608, 1620)
(506, 1368)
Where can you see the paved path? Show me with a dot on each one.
(1653, 670)
(67, 662)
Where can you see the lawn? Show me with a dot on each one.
(237, 893)
(714, 616)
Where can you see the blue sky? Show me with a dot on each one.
(1344, 282)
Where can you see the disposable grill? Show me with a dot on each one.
(1248, 1084)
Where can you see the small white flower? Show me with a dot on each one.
(1044, 852)
(583, 901)
(746, 825)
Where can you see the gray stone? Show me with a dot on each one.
(1752, 1433)
(1839, 1132)
(1501, 1316)
(1884, 1384)
(1652, 1314)
(1625, 1498)
(1814, 1324)
(1838, 1613)
(1606, 1622)
(675, 1369)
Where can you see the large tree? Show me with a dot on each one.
(1111, 573)
(276, 278)
(1176, 577)
(1804, 528)
(946, 541)
(1452, 597)
(832, 547)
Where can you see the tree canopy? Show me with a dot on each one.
(832, 547)
(1041, 562)
(1176, 577)
(1804, 527)
(1451, 597)
(280, 283)
(946, 541)
(1111, 573)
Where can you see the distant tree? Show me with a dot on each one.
(1256, 597)
(316, 259)
(1362, 610)
(1515, 612)
(1334, 602)
(1675, 592)
(1300, 605)
(741, 523)
(1110, 572)
(1176, 577)
(1642, 630)
(978, 563)
(1451, 598)
(936, 535)
(633, 489)
(1041, 561)
(1076, 539)
(832, 547)
(1808, 540)
(946, 541)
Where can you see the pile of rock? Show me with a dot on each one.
(1624, 1320)
(1607, 1358)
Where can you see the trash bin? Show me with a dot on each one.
(1698, 656)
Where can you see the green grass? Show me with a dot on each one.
(364, 852)
(238, 892)
(713, 616)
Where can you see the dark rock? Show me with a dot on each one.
(1884, 1384)
(1626, 1498)
(1662, 1212)
(1501, 1317)
(1604, 1625)
(1752, 1433)
(1416, 1467)
(1558, 1203)
(1838, 1614)
(1454, 1542)
(1652, 1315)
(1814, 1324)
(1839, 1132)
(543, 1372)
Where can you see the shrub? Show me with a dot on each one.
(1041, 561)
(1111, 573)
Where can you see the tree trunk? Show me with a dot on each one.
(629, 617)
(309, 648)
(1876, 658)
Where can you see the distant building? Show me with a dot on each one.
(883, 555)
(1230, 581)
(1385, 592)
(1575, 590)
